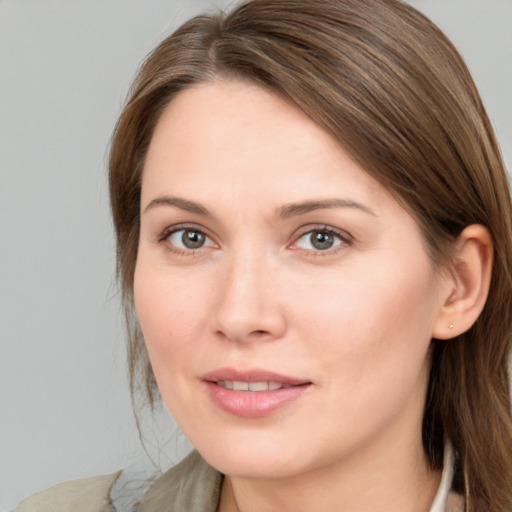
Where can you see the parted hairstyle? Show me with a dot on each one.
(389, 86)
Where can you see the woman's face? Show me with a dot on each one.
(286, 299)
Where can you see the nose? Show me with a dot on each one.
(248, 307)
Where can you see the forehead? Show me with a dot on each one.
(237, 130)
(235, 118)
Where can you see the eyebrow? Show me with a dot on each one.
(291, 210)
(285, 212)
(178, 202)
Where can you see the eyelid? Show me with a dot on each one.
(170, 230)
(345, 238)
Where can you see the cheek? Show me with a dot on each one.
(370, 340)
(372, 329)
(169, 312)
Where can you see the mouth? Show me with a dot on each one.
(252, 380)
(240, 385)
(254, 393)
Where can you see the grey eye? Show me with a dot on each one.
(189, 239)
(319, 240)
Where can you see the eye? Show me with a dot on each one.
(319, 240)
(188, 239)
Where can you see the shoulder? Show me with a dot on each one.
(84, 495)
(190, 486)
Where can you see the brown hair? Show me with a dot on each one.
(393, 90)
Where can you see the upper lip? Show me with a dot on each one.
(255, 375)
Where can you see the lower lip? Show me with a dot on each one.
(253, 404)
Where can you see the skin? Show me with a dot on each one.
(355, 320)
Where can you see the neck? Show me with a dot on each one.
(396, 478)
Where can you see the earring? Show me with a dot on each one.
(451, 326)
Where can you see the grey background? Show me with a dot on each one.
(65, 67)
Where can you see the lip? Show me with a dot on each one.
(253, 404)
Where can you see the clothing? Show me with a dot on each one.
(190, 486)
(85, 495)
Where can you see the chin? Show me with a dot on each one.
(243, 464)
(254, 454)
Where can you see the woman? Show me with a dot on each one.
(313, 227)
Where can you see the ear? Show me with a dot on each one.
(467, 283)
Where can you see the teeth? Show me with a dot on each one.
(240, 386)
(258, 386)
(251, 386)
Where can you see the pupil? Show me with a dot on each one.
(321, 240)
(192, 239)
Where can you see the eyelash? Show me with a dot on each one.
(167, 233)
(344, 239)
